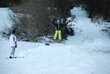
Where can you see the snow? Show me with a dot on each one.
(5, 21)
(85, 53)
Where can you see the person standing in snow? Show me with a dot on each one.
(13, 43)
(57, 34)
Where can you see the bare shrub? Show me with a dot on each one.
(35, 19)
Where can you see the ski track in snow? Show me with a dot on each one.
(85, 53)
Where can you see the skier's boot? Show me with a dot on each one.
(10, 57)
(59, 41)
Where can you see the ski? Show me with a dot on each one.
(14, 57)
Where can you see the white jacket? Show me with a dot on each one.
(12, 40)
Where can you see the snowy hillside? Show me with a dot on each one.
(5, 21)
(85, 53)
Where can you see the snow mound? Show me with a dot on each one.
(78, 11)
(85, 29)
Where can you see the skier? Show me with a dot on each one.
(13, 43)
(57, 31)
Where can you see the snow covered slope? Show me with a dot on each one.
(5, 21)
(85, 53)
(88, 30)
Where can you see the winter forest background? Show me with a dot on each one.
(33, 18)
(85, 48)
